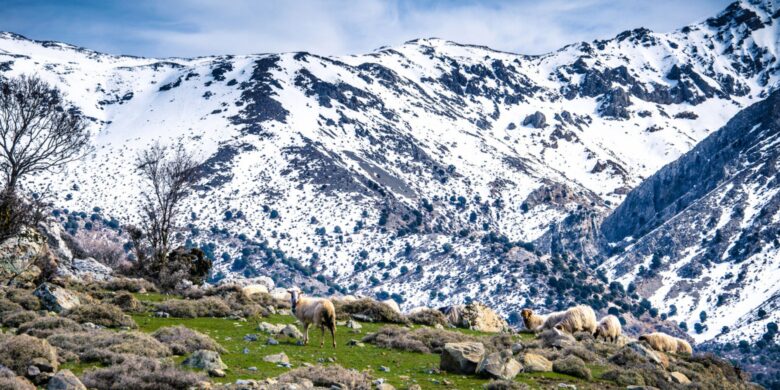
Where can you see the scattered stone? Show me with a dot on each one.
(537, 120)
(55, 298)
(208, 361)
(161, 314)
(270, 328)
(280, 357)
(271, 341)
(245, 351)
(679, 377)
(65, 380)
(352, 324)
(567, 386)
(499, 365)
(384, 369)
(462, 358)
(536, 363)
(253, 368)
(517, 348)
(292, 332)
(251, 337)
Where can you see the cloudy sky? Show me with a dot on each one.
(185, 28)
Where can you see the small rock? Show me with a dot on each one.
(217, 373)
(161, 314)
(384, 369)
(33, 371)
(536, 363)
(253, 368)
(517, 348)
(250, 337)
(567, 386)
(352, 324)
(292, 332)
(208, 361)
(245, 351)
(55, 298)
(269, 328)
(679, 377)
(65, 380)
(277, 358)
(271, 341)
(499, 365)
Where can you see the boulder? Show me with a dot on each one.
(55, 298)
(352, 324)
(280, 357)
(479, 317)
(85, 269)
(679, 377)
(536, 363)
(462, 358)
(393, 305)
(270, 328)
(537, 120)
(291, 331)
(19, 254)
(65, 380)
(453, 314)
(572, 365)
(53, 234)
(206, 360)
(499, 365)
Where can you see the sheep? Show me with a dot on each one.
(576, 319)
(665, 343)
(609, 328)
(314, 311)
(534, 322)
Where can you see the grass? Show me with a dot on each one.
(406, 368)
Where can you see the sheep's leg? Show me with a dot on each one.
(305, 333)
(322, 339)
(333, 335)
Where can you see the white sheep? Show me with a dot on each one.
(665, 343)
(314, 311)
(580, 318)
(609, 328)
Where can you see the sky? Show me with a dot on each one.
(188, 28)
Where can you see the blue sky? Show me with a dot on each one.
(186, 28)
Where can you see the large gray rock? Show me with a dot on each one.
(479, 317)
(54, 235)
(55, 298)
(537, 120)
(291, 331)
(280, 357)
(499, 365)
(536, 363)
(462, 358)
(208, 361)
(65, 380)
(85, 269)
(270, 328)
(18, 255)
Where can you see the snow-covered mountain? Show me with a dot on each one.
(432, 170)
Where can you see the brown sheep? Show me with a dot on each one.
(576, 319)
(665, 343)
(531, 320)
(314, 311)
(609, 328)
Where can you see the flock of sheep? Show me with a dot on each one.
(321, 313)
(582, 318)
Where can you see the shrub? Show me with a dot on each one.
(24, 298)
(328, 376)
(428, 317)
(107, 347)
(127, 302)
(370, 309)
(572, 365)
(424, 340)
(43, 327)
(14, 319)
(9, 381)
(204, 307)
(18, 352)
(504, 385)
(182, 340)
(141, 374)
(7, 306)
(129, 284)
(103, 314)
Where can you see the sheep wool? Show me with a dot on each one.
(609, 328)
(665, 343)
(580, 318)
(531, 320)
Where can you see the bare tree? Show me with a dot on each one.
(37, 132)
(169, 175)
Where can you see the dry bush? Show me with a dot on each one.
(328, 376)
(134, 285)
(127, 302)
(18, 352)
(141, 374)
(234, 296)
(504, 385)
(430, 317)
(103, 314)
(183, 340)
(107, 347)
(16, 318)
(23, 297)
(9, 381)
(6, 306)
(425, 340)
(265, 299)
(374, 310)
(204, 307)
(43, 327)
(103, 245)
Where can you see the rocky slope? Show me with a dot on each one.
(486, 169)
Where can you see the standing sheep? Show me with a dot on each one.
(665, 343)
(535, 322)
(314, 311)
(609, 328)
(576, 319)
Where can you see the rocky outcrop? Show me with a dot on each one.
(537, 120)
(536, 363)
(479, 317)
(499, 365)
(20, 254)
(65, 380)
(55, 298)
(85, 269)
(462, 358)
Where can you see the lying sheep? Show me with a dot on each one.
(609, 328)
(665, 343)
(314, 311)
(535, 322)
(580, 318)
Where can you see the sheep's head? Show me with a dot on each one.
(526, 313)
(559, 328)
(294, 296)
(599, 331)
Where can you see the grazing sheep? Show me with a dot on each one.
(531, 320)
(665, 343)
(552, 319)
(314, 311)
(578, 318)
(609, 328)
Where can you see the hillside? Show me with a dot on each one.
(431, 171)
